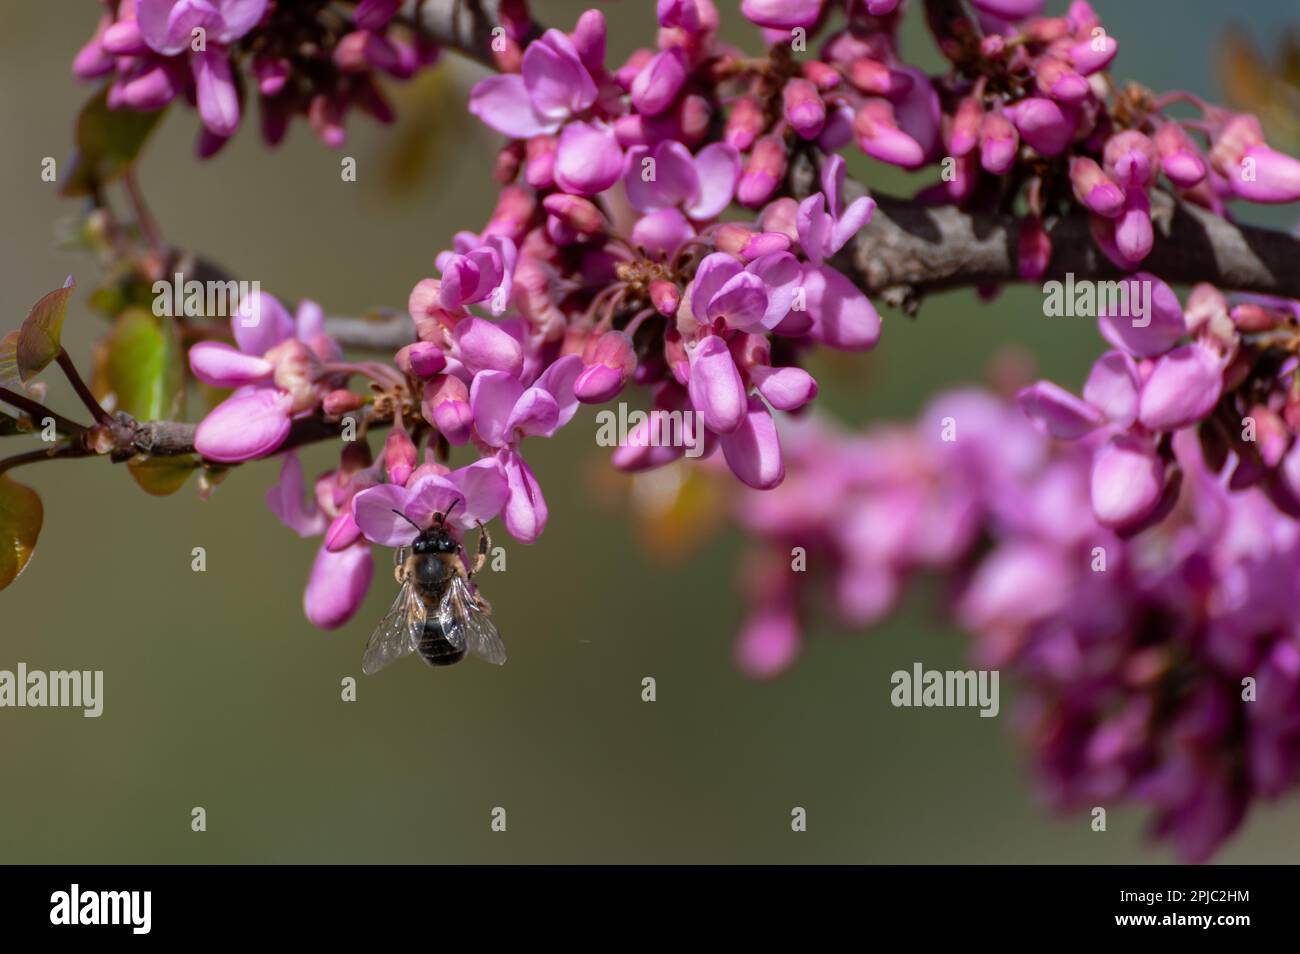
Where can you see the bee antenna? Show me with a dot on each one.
(453, 506)
(406, 518)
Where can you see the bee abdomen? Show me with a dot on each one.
(434, 647)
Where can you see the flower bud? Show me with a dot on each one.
(744, 124)
(966, 126)
(1042, 124)
(579, 214)
(781, 216)
(665, 296)
(763, 172)
(999, 142)
(731, 237)
(510, 158)
(1055, 78)
(879, 136)
(421, 360)
(803, 107)
(1034, 248)
(1130, 158)
(445, 405)
(821, 75)
(656, 86)
(607, 366)
(539, 168)
(339, 401)
(1094, 189)
(399, 456)
(1180, 160)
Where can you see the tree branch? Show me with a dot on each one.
(371, 334)
(461, 25)
(909, 249)
(124, 438)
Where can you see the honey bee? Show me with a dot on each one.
(437, 612)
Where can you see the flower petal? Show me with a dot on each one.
(717, 170)
(753, 450)
(559, 379)
(373, 509)
(260, 323)
(588, 159)
(338, 584)
(217, 96)
(715, 387)
(223, 366)
(525, 510)
(245, 426)
(492, 397)
(484, 487)
(502, 102)
(843, 317)
(1061, 414)
(285, 499)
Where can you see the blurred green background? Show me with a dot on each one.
(220, 694)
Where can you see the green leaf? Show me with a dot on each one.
(162, 476)
(144, 365)
(39, 338)
(21, 515)
(108, 142)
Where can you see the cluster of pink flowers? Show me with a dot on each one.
(1208, 367)
(1127, 552)
(1161, 670)
(304, 58)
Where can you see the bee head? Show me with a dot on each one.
(437, 539)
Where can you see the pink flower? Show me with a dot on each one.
(753, 297)
(553, 87)
(466, 498)
(340, 574)
(275, 370)
(168, 27)
(588, 158)
(657, 84)
(667, 176)
(505, 412)
(477, 271)
(781, 14)
(824, 226)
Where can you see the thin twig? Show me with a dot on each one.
(51, 453)
(39, 412)
(83, 392)
(144, 218)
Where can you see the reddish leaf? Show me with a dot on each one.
(39, 337)
(21, 515)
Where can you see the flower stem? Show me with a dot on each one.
(32, 457)
(83, 392)
(38, 412)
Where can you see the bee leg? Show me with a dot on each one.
(399, 565)
(484, 546)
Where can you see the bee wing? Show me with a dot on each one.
(396, 634)
(465, 622)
